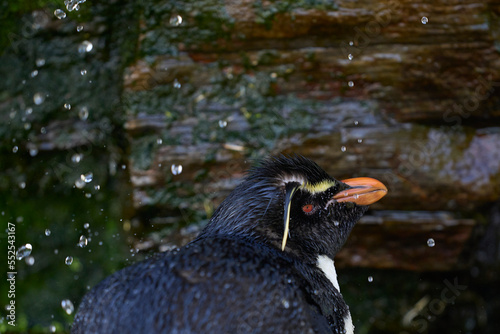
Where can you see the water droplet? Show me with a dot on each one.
(87, 178)
(15, 149)
(350, 56)
(176, 169)
(176, 20)
(30, 260)
(34, 73)
(159, 141)
(360, 140)
(343, 148)
(88, 195)
(356, 122)
(67, 106)
(177, 84)
(79, 183)
(38, 98)
(40, 62)
(60, 14)
(83, 241)
(73, 4)
(47, 232)
(83, 113)
(83, 72)
(86, 226)
(222, 123)
(22, 184)
(336, 223)
(27, 126)
(350, 84)
(431, 242)
(68, 260)
(52, 328)
(79, 28)
(370, 279)
(85, 46)
(56, 251)
(286, 303)
(67, 306)
(28, 111)
(76, 158)
(97, 187)
(23, 251)
(424, 20)
(351, 43)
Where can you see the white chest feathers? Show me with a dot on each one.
(328, 268)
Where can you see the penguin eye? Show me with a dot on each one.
(308, 208)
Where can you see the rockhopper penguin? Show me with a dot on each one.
(263, 264)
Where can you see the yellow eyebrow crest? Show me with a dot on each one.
(318, 187)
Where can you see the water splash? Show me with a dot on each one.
(72, 5)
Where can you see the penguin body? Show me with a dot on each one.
(263, 264)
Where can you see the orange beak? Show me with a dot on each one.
(362, 191)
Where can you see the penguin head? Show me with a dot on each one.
(293, 205)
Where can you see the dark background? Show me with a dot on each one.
(129, 91)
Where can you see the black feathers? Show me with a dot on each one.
(235, 278)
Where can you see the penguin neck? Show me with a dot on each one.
(327, 266)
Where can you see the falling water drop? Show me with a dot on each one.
(79, 183)
(222, 123)
(351, 43)
(34, 73)
(23, 251)
(350, 84)
(60, 14)
(76, 158)
(79, 28)
(350, 56)
(424, 20)
(176, 20)
(177, 84)
(86, 226)
(83, 72)
(431, 242)
(343, 148)
(52, 328)
(33, 151)
(85, 46)
(15, 149)
(176, 169)
(38, 98)
(82, 242)
(68, 260)
(370, 279)
(83, 113)
(87, 178)
(67, 106)
(159, 141)
(40, 62)
(67, 306)
(30, 260)
(47, 232)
